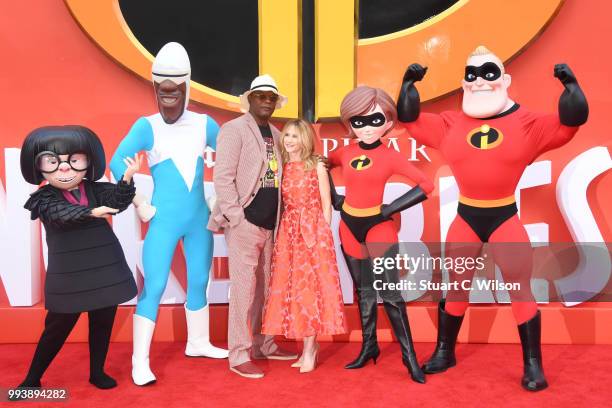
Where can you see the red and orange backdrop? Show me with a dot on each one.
(78, 61)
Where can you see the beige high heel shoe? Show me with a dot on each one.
(299, 362)
(306, 368)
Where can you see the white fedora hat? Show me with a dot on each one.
(262, 83)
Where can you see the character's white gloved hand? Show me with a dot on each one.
(144, 210)
(211, 201)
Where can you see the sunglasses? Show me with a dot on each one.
(49, 162)
(272, 97)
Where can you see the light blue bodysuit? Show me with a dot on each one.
(175, 156)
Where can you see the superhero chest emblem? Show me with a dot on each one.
(361, 162)
(485, 137)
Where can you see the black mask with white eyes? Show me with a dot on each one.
(489, 71)
(376, 119)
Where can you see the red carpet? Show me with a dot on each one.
(487, 375)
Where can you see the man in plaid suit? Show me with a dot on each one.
(247, 179)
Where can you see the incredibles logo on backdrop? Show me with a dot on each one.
(313, 48)
(485, 137)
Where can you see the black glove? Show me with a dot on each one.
(573, 106)
(414, 196)
(336, 199)
(409, 101)
(414, 73)
(564, 74)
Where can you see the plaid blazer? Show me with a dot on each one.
(240, 165)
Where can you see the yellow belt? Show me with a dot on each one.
(500, 202)
(360, 212)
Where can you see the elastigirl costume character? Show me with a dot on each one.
(488, 145)
(174, 140)
(366, 230)
(87, 271)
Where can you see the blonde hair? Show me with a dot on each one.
(306, 139)
(361, 100)
(480, 50)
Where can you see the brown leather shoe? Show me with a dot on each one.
(279, 354)
(248, 370)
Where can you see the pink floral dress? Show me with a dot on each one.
(304, 296)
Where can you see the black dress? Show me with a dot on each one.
(86, 265)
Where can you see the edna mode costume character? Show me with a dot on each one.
(174, 140)
(369, 113)
(87, 271)
(488, 146)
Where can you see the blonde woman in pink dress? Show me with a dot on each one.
(304, 298)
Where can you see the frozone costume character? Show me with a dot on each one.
(488, 145)
(87, 271)
(366, 228)
(174, 140)
(247, 173)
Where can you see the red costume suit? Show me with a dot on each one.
(488, 145)
(487, 158)
(365, 170)
(366, 229)
(491, 170)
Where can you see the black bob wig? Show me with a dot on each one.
(62, 140)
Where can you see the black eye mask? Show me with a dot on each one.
(489, 71)
(376, 119)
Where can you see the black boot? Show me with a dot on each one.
(368, 314)
(533, 372)
(367, 302)
(399, 321)
(100, 328)
(443, 357)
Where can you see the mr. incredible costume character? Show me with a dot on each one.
(366, 228)
(174, 140)
(488, 145)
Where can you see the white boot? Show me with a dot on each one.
(143, 333)
(144, 210)
(198, 338)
